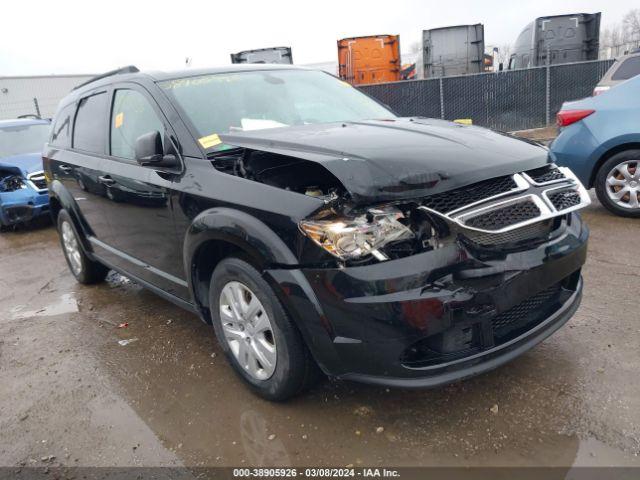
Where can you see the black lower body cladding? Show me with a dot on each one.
(438, 316)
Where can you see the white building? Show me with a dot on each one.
(17, 94)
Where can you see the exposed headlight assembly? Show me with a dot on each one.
(12, 183)
(350, 238)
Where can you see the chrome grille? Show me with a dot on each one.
(38, 180)
(454, 199)
(505, 216)
(538, 230)
(564, 199)
(538, 195)
(546, 174)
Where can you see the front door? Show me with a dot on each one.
(142, 238)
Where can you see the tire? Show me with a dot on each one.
(294, 368)
(612, 171)
(85, 270)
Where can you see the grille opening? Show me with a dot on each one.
(18, 214)
(526, 314)
(505, 216)
(539, 231)
(545, 174)
(462, 341)
(564, 198)
(452, 344)
(39, 181)
(453, 199)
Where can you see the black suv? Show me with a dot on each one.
(314, 228)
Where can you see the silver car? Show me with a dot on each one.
(623, 69)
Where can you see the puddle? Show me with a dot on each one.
(66, 303)
(594, 453)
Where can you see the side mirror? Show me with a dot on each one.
(149, 152)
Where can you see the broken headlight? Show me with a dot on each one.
(350, 238)
(12, 183)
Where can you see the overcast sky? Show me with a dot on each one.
(63, 36)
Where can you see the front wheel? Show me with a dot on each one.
(618, 184)
(262, 344)
(82, 267)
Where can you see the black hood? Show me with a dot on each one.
(385, 160)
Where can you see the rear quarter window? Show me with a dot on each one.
(627, 69)
(89, 130)
(61, 131)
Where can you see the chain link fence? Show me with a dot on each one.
(39, 106)
(507, 100)
(34, 95)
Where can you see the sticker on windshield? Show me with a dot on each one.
(210, 141)
(118, 120)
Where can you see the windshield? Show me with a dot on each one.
(232, 102)
(20, 139)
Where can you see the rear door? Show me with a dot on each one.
(142, 238)
(76, 155)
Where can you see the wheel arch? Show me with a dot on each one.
(60, 198)
(610, 152)
(221, 232)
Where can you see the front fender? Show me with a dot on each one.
(245, 231)
(241, 229)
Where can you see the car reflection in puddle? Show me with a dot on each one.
(260, 445)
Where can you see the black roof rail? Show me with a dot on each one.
(117, 71)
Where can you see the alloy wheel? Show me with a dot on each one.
(248, 330)
(71, 248)
(623, 184)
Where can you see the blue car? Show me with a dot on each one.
(600, 141)
(23, 188)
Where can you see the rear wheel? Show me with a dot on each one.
(618, 184)
(82, 267)
(262, 344)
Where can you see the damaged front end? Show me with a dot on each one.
(505, 213)
(452, 284)
(442, 285)
(22, 197)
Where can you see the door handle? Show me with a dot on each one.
(106, 180)
(65, 168)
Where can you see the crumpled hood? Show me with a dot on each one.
(384, 160)
(27, 163)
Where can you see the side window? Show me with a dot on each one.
(132, 116)
(61, 131)
(629, 68)
(89, 127)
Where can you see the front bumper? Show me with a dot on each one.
(22, 206)
(438, 316)
(484, 361)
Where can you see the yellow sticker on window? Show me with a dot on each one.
(463, 121)
(210, 141)
(118, 120)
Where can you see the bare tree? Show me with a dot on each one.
(618, 38)
(503, 54)
(611, 36)
(631, 23)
